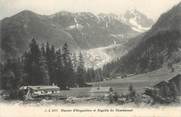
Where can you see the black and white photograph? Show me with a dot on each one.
(118, 54)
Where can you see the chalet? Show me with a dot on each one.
(100, 91)
(160, 88)
(160, 84)
(177, 80)
(165, 84)
(33, 91)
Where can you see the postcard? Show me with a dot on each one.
(87, 58)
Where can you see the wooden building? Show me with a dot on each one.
(177, 81)
(165, 85)
(35, 91)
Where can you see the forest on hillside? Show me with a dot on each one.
(46, 65)
(150, 54)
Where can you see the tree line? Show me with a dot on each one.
(149, 55)
(46, 65)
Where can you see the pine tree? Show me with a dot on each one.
(31, 64)
(12, 74)
(66, 55)
(100, 72)
(89, 75)
(8, 78)
(43, 51)
(34, 51)
(68, 72)
(74, 62)
(44, 71)
(51, 61)
(1, 71)
(27, 67)
(10, 66)
(47, 50)
(81, 71)
(19, 73)
(59, 75)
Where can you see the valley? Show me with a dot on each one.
(82, 57)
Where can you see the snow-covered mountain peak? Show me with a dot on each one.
(137, 20)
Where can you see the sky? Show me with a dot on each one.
(151, 8)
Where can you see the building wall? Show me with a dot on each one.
(45, 92)
(179, 87)
(0, 83)
(177, 81)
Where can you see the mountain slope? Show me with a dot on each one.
(160, 45)
(170, 20)
(138, 21)
(91, 31)
(82, 30)
(18, 30)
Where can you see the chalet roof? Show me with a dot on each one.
(99, 89)
(167, 79)
(41, 87)
(177, 76)
(161, 83)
